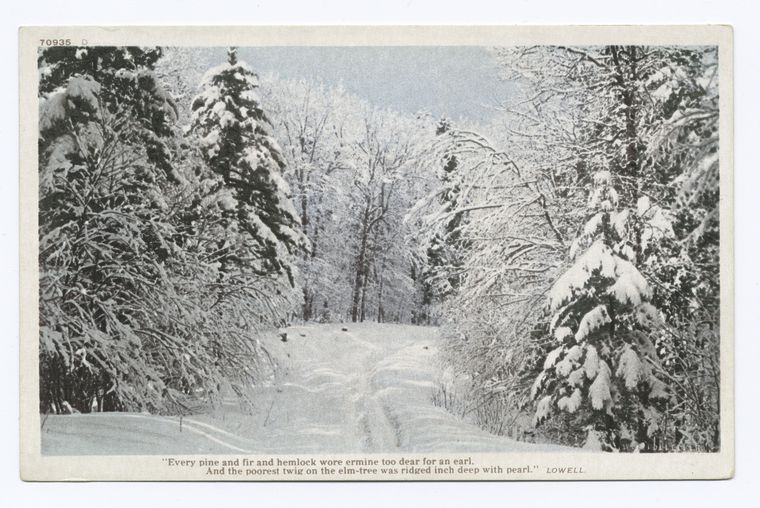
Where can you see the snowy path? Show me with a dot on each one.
(368, 389)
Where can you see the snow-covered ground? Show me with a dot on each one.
(367, 389)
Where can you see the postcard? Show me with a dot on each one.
(376, 253)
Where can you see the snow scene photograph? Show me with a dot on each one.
(378, 249)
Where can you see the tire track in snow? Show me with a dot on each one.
(380, 427)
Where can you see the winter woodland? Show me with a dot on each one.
(565, 249)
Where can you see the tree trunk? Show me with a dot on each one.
(380, 310)
(363, 306)
(361, 260)
(308, 303)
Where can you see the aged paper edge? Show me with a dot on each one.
(597, 466)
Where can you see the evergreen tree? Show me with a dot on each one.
(136, 310)
(441, 276)
(105, 145)
(650, 114)
(602, 366)
(263, 229)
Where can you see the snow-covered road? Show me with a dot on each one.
(366, 389)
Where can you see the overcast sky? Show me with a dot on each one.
(452, 81)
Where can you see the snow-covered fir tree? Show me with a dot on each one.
(650, 116)
(137, 310)
(105, 161)
(264, 231)
(602, 365)
(443, 271)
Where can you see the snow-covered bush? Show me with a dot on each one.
(495, 245)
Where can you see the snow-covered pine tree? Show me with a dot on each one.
(105, 159)
(118, 79)
(602, 369)
(263, 230)
(686, 269)
(651, 114)
(441, 276)
(133, 312)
